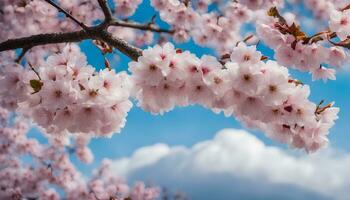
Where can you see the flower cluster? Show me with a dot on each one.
(294, 49)
(74, 97)
(104, 186)
(82, 151)
(20, 18)
(218, 29)
(13, 87)
(66, 94)
(322, 8)
(126, 8)
(259, 4)
(85, 11)
(260, 94)
(51, 168)
(207, 29)
(340, 23)
(53, 85)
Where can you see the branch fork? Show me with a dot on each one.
(98, 32)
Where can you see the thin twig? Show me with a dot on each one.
(23, 53)
(34, 70)
(145, 27)
(81, 24)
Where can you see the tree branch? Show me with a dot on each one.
(67, 14)
(106, 10)
(54, 38)
(98, 32)
(43, 39)
(124, 47)
(23, 53)
(145, 27)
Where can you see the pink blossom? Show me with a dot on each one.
(340, 23)
(260, 94)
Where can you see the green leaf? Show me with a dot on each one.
(36, 85)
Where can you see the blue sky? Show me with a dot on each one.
(191, 125)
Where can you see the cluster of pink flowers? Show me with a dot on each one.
(311, 56)
(126, 8)
(260, 94)
(105, 186)
(322, 8)
(57, 90)
(261, 4)
(20, 18)
(13, 88)
(220, 31)
(85, 11)
(82, 151)
(66, 94)
(50, 168)
(340, 23)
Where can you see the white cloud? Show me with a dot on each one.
(237, 165)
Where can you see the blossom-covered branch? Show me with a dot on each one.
(70, 100)
(98, 32)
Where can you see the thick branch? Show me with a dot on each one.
(106, 10)
(145, 27)
(67, 14)
(127, 49)
(43, 39)
(54, 38)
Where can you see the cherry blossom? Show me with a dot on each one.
(126, 8)
(261, 94)
(207, 29)
(258, 4)
(62, 94)
(68, 95)
(52, 169)
(322, 8)
(340, 23)
(49, 83)
(306, 54)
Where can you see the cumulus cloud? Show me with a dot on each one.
(237, 165)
